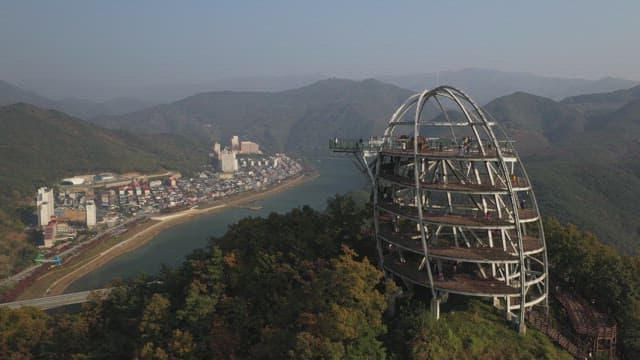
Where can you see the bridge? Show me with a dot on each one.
(51, 302)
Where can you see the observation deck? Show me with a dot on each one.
(518, 184)
(412, 242)
(443, 149)
(462, 205)
(463, 284)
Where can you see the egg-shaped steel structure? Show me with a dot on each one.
(454, 209)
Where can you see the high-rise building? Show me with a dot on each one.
(216, 148)
(227, 161)
(43, 214)
(91, 213)
(45, 205)
(235, 143)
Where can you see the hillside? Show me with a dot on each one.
(11, 94)
(584, 168)
(86, 109)
(286, 286)
(299, 120)
(38, 147)
(602, 103)
(536, 123)
(486, 84)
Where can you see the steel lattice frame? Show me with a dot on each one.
(457, 218)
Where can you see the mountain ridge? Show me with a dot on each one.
(12, 94)
(268, 117)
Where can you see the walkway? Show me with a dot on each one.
(51, 302)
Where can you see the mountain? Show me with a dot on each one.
(602, 103)
(299, 120)
(40, 146)
(485, 84)
(576, 161)
(584, 167)
(88, 109)
(162, 91)
(536, 123)
(11, 94)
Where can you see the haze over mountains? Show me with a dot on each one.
(10, 94)
(580, 151)
(280, 121)
(575, 157)
(484, 84)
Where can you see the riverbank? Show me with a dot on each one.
(56, 281)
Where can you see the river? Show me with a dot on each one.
(336, 176)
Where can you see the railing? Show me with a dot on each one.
(352, 145)
(563, 337)
(405, 143)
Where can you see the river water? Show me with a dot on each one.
(336, 176)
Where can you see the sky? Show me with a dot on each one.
(120, 44)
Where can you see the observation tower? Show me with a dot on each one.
(454, 210)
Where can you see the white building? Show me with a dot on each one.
(235, 143)
(73, 181)
(44, 205)
(227, 161)
(91, 213)
(43, 214)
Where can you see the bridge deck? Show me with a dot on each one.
(55, 301)
(464, 284)
(411, 241)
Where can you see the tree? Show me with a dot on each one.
(23, 333)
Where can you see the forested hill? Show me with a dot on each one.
(299, 120)
(602, 103)
(537, 124)
(301, 285)
(40, 146)
(583, 167)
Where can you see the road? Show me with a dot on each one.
(51, 302)
(68, 253)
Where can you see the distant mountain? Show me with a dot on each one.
(535, 122)
(163, 92)
(485, 85)
(299, 120)
(584, 167)
(602, 103)
(41, 146)
(88, 109)
(11, 94)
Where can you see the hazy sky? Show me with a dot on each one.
(127, 43)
